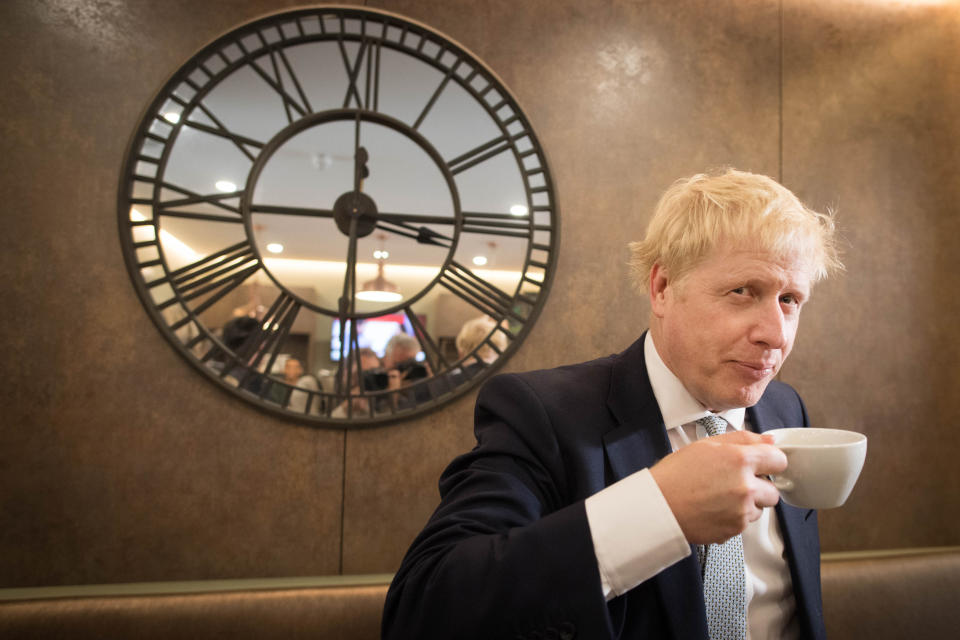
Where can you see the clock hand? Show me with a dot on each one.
(408, 218)
(349, 278)
(360, 157)
(360, 170)
(423, 235)
(345, 309)
(291, 211)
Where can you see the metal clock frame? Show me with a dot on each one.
(219, 273)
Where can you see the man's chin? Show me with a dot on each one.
(745, 396)
(752, 394)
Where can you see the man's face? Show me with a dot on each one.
(369, 362)
(292, 370)
(727, 326)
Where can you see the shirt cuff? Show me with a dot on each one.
(635, 534)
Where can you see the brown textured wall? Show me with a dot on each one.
(870, 125)
(120, 463)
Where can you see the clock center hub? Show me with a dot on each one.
(355, 205)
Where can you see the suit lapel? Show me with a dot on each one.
(638, 442)
(640, 438)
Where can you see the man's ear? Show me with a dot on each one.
(659, 283)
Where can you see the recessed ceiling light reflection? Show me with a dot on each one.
(172, 117)
(480, 260)
(518, 210)
(225, 186)
(275, 247)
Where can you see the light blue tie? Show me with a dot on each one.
(724, 581)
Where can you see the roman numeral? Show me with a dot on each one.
(499, 224)
(479, 154)
(303, 106)
(349, 350)
(173, 207)
(217, 128)
(436, 94)
(368, 59)
(295, 107)
(476, 291)
(269, 338)
(213, 276)
(239, 140)
(430, 349)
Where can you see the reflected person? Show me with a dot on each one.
(364, 370)
(478, 334)
(598, 501)
(239, 334)
(292, 370)
(294, 376)
(403, 370)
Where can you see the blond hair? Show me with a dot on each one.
(474, 332)
(736, 209)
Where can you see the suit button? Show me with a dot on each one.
(567, 631)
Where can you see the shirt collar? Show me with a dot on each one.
(677, 406)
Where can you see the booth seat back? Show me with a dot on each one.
(328, 613)
(866, 597)
(892, 595)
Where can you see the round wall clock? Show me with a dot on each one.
(339, 215)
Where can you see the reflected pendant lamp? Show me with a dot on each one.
(379, 289)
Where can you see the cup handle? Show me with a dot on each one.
(781, 483)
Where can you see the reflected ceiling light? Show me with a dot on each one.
(380, 254)
(321, 161)
(225, 186)
(275, 247)
(518, 210)
(172, 117)
(380, 289)
(482, 260)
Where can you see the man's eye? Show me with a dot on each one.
(739, 291)
(789, 299)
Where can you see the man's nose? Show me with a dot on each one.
(770, 326)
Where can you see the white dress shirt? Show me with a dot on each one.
(635, 535)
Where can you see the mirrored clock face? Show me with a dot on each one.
(339, 215)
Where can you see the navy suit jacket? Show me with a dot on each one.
(508, 552)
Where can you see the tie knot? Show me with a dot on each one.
(714, 425)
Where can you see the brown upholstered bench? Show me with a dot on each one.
(895, 594)
(867, 595)
(346, 609)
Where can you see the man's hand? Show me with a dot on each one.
(716, 486)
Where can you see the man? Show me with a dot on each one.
(403, 370)
(292, 371)
(364, 375)
(400, 348)
(594, 504)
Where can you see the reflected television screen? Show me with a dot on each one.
(373, 333)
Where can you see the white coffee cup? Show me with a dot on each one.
(822, 465)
